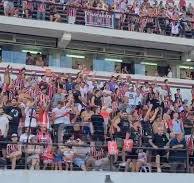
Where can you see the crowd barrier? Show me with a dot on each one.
(101, 18)
(109, 162)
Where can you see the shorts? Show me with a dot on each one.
(132, 155)
(48, 161)
(58, 159)
(32, 157)
(79, 162)
(162, 153)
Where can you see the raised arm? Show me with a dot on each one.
(148, 113)
(154, 115)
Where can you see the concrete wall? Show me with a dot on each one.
(9, 176)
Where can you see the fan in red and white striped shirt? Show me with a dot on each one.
(97, 154)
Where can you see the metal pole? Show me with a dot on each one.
(28, 135)
(111, 162)
(187, 163)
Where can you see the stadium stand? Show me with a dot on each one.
(61, 121)
(81, 121)
(169, 18)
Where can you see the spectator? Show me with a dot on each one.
(3, 162)
(98, 126)
(131, 95)
(8, 7)
(43, 136)
(68, 157)
(14, 151)
(30, 117)
(178, 95)
(26, 136)
(38, 59)
(159, 142)
(29, 59)
(58, 97)
(188, 125)
(48, 157)
(98, 158)
(88, 109)
(61, 118)
(41, 12)
(54, 15)
(177, 124)
(58, 158)
(27, 6)
(16, 116)
(4, 123)
(33, 151)
(177, 155)
(175, 28)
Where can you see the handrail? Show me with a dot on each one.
(105, 11)
(82, 7)
(110, 159)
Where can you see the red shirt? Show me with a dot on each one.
(182, 3)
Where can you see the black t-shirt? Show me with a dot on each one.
(76, 95)
(136, 137)
(98, 123)
(160, 140)
(98, 101)
(147, 128)
(155, 103)
(15, 113)
(188, 130)
(124, 126)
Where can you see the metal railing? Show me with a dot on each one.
(82, 159)
(101, 18)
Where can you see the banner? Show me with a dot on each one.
(112, 148)
(128, 145)
(99, 19)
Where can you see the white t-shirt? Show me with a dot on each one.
(107, 101)
(175, 29)
(4, 123)
(163, 93)
(28, 112)
(138, 99)
(24, 137)
(83, 91)
(169, 74)
(131, 97)
(61, 115)
(123, 7)
(90, 85)
(137, 10)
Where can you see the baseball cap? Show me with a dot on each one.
(14, 135)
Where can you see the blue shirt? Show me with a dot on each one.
(109, 2)
(177, 155)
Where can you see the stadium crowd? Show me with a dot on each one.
(175, 18)
(64, 122)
